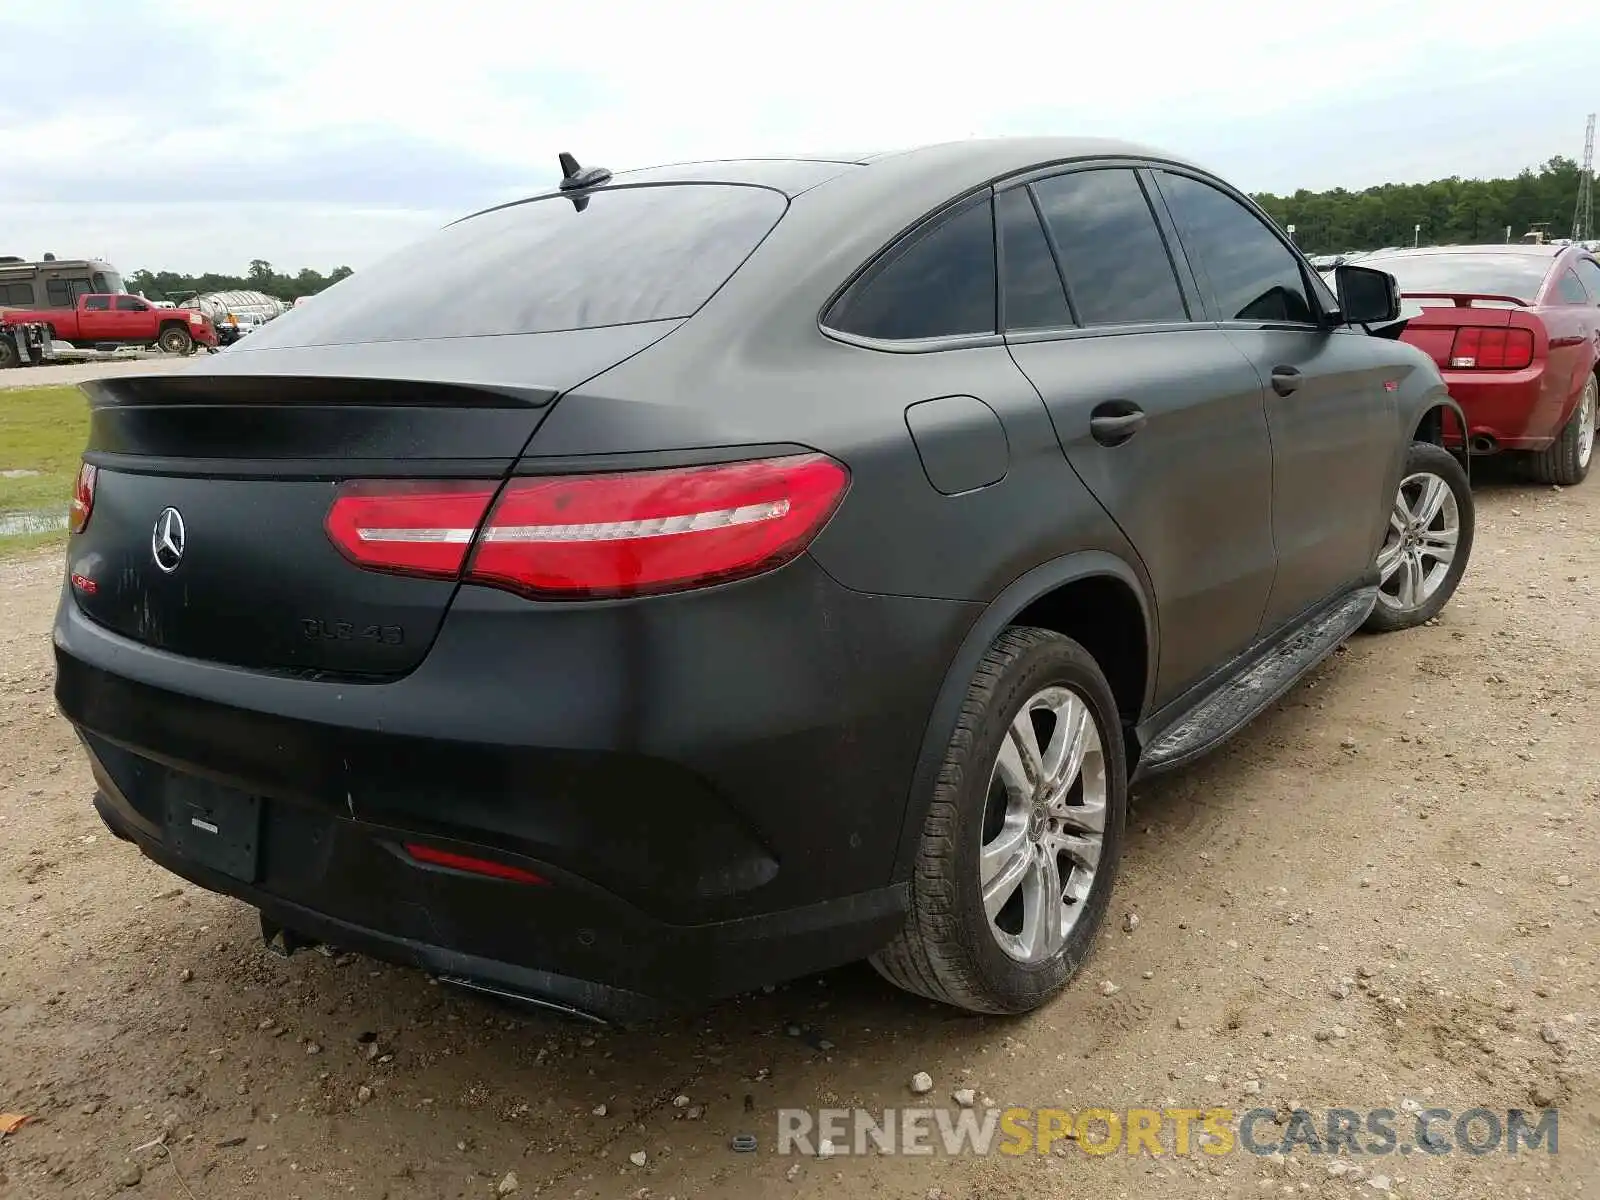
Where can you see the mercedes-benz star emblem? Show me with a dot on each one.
(166, 540)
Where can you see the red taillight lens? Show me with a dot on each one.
(82, 507)
(565, 536)
(473, 866)
(421, 528)
(1481, 349)
(639, 532)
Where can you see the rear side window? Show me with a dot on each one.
(939, 283)
(1589, 274)
(1112, 252)
(1253, 275)
(1569, 290)
(20, 294)
(97, 304)
(627, 255)
(1031, 293)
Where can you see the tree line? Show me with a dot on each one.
(261, 277)
(1452, 211)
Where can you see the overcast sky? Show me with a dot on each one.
(196, 137)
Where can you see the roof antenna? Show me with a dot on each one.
(576, 179)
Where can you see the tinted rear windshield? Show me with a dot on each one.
(1516, 275)
(629, 254)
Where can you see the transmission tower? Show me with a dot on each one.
(1583, 211)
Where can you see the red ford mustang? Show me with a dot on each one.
(1516, 333)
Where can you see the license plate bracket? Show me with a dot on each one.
(214, 826)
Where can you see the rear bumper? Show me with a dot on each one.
(1502, 408)
(714, 785)
(495, 935)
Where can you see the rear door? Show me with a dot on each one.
(133, 321)
(96, 320)
(1159, 414)
(213, 532)
(1329, 393)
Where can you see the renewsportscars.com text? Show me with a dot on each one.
(1159, 1132)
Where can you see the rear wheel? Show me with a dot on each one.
(1566, 461)
(1020, 846)
(8, 351)
(1428, 541)
(176, 340)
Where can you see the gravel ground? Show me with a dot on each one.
(1380, 895)
(55, 374)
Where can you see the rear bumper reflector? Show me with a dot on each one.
(434, 857)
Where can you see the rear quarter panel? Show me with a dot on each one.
(895, 533)
(1572, 348)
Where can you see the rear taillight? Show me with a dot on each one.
(1477, 348)
(82, 506)
(654, 531)
(412, 528)
(623, 534)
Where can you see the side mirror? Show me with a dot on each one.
(1367, 296)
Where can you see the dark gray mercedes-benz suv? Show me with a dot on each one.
(698, 576)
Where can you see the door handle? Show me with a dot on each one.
(1112, 424)
(1285, 379)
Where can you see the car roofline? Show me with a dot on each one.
(972, 159)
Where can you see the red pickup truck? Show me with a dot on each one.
(101, 317)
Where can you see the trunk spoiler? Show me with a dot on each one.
(1465, 299)
(192, 389)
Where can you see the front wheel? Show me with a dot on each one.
(175, 340)
(1427, 543)
(1021, 842)
(1566, 460)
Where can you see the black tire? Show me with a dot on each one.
(947, 950)
(1426, 459)
(175, 339)
(8, 353)
(1566, 460)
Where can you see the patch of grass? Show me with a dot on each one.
(19, 544)
(44, 430)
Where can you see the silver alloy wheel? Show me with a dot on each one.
(1045, 824)
(1421, 542)
(1586, 419)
